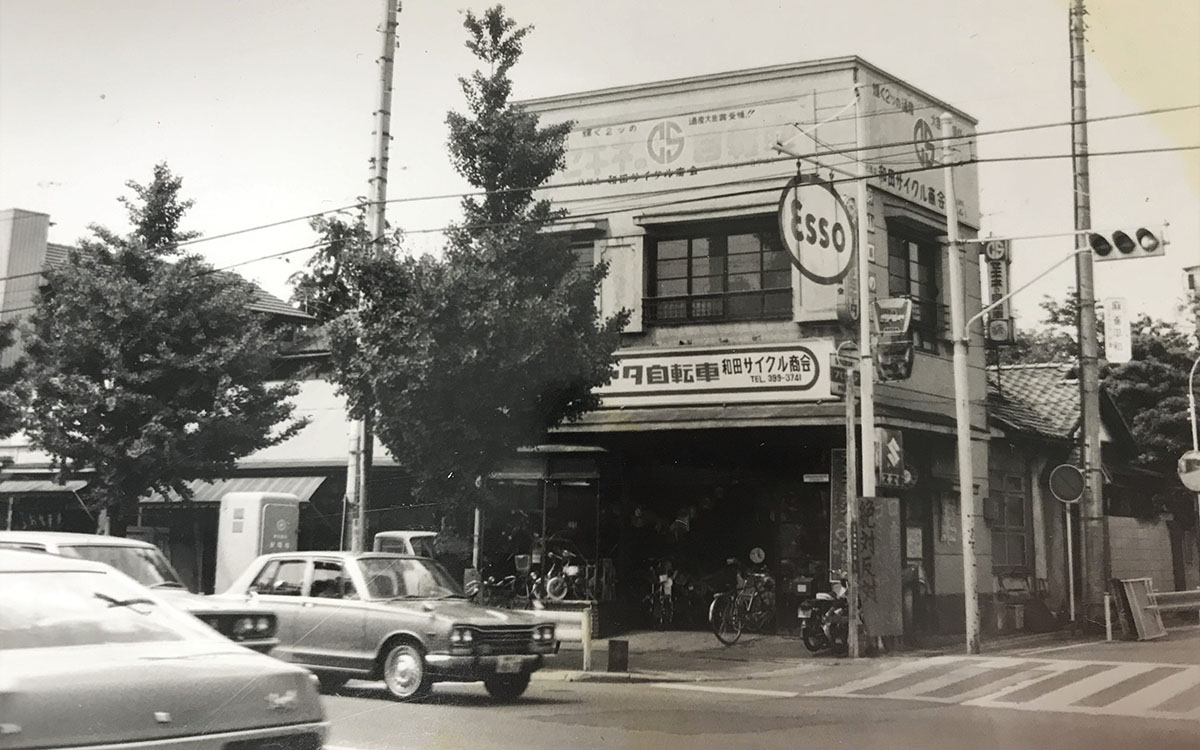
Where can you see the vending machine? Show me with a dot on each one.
(253, 524)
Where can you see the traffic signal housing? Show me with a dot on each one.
(1142, 242)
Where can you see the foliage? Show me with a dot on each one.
(10, 384)
(1150, 391)
(474, 354)
(148, 372)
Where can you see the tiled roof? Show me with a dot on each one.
(1038, 399)
(264, 301)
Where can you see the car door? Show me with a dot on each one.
(330, 623)
(279, 586)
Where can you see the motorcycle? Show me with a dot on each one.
(826, 620)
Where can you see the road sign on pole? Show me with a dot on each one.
(1066, 483)
(1189, 470)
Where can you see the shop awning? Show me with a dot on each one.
(31, 486)
(212, 492)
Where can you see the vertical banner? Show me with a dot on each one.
(837, 514)
(879, 565)
(998, 254)
(1118, 339)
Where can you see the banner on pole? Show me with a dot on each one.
(1118, 338)
(879, 567)
(837, 514)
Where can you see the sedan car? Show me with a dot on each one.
(92, 659)
(399, 618)
(247, 624)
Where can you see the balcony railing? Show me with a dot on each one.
(758, 304)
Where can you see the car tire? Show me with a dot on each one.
(506, 687)
(404, 672)
(331, 683)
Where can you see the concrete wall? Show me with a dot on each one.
(1141, 549)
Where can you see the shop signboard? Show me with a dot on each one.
(889, 457)
(903, 140)
(818, 231)
(1118, 339)
(790, 372)
(879, 565)
(998, 256)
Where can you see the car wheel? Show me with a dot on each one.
(507, 687)
(404, 672)
(331, 682)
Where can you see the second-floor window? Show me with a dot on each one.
(732, 271)
(914, 271)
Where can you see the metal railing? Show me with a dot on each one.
(756, 304)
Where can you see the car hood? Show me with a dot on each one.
(77, 695)
(465, 612)
(197, 604)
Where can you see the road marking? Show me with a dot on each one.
(728, 690)
(1094, 688)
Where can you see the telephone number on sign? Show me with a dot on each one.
(780, 377)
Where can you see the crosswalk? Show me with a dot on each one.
(1167, 691)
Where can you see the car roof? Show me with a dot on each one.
(66, 538)
(343, 554)
(405, 534)
(22, 561)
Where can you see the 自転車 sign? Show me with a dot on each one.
(785, 372)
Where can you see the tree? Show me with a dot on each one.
(147, 372)
(477, 353)
(10, 384)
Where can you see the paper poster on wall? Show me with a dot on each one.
(948, 521)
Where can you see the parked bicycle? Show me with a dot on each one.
(748, 606)
(660, 601)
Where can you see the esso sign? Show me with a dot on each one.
(817, 230)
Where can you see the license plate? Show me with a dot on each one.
(508, 664)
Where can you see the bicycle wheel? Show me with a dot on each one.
(725, 619)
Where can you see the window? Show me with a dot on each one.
(330, 581)
(280, 578)
(1010, 527)
(731, 271)
(915, 271)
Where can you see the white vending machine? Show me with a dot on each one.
(253, 524)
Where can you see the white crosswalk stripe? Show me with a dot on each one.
(1167, 691)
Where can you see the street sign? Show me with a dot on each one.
(889, 457)
(1189, 470)
(1000, 330)
(817, 230)
(1066, 483)
(1118, 339)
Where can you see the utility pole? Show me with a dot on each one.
(358, 475)
(1092, 537)
(962, 407)
(866, 362)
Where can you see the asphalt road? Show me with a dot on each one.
(770, 712)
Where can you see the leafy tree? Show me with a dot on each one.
(477, 353)
(10, 385)
(148, 372)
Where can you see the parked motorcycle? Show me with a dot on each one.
(826, 620)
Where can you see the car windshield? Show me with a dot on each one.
(407, 578)
(79, 608)
(424, 546)
(146, 565)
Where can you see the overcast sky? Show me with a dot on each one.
(264, 107)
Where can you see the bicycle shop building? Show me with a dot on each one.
(721, 420)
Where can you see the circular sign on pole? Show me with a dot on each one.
(817, 229)
(1189, 470)
(1066, 483)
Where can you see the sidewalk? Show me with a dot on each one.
(697, 656)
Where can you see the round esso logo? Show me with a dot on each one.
(817, 230)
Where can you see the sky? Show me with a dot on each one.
(264, 107)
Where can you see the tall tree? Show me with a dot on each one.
(147, 367)
(10, 384)
(479, 352)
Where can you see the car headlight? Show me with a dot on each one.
(543, 633)
(243, 626)
(461, 636)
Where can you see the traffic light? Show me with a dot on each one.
(1143, 242)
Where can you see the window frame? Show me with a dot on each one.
(726, 304)
(1002, 497)
(929, 317)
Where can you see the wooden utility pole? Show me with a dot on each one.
(359, 473)
(1093, 547)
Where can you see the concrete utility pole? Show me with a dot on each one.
(1093, 546)
(358, 475)
(866, 366)
(962, 406)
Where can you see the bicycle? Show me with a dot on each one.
(660, 605)
(749, 605)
